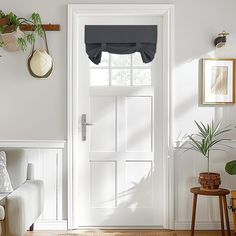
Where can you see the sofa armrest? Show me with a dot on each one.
(23, 207)
(30, 171)
(2, 213)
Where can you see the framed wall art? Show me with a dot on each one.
(218, 81)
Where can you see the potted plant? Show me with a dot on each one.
(13, 39)
(230, 168)
(204, 142)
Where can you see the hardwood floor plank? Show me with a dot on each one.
(123, 233)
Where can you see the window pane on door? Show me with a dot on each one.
(120, 60)
(121, 77)
(141, 76)
(99, 77)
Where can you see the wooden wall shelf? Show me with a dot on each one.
(48, 27)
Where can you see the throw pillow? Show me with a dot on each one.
(5, 182)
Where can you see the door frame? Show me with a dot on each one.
(166, 11)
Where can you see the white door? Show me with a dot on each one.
(119, 166)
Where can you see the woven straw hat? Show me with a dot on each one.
(40, 63)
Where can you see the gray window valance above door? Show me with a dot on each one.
(120, 39)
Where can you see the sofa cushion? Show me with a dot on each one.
(17, 166)
(5, 183)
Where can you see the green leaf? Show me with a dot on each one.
(222, 131)
(1, 29)
(230, 167)
(22, 43)
(200, 128)
(30, 38)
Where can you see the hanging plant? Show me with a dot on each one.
(13, 38)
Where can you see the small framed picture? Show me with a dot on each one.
(218, 85)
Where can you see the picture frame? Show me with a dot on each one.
(218, 81)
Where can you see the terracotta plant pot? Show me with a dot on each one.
(10, 40)
(4, 21)
(209, 181)
(233, 197)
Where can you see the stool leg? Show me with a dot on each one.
(221, 215)
(226, 215)
(194, 214)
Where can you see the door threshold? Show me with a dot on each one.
(119, 228)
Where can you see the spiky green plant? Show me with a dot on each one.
(207, 137)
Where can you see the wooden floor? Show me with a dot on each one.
(148, 232)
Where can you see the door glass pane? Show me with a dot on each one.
(137, 60)
(104, 61)
(120, 60)
(121, 77)
(99, 77)
(142, 76)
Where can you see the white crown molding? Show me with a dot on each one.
(50, 144)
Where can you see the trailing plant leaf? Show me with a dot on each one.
(230, 167)
(2, 14)
(1, 29)
(22, 43)
(30, 38)
(37, 24)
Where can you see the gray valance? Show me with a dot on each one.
(120, 39)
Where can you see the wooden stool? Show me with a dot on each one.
(223, 204)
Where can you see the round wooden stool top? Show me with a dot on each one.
(216, 192)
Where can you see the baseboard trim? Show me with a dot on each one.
(51, 225)
(184, 225)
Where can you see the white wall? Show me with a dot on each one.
(33, 109)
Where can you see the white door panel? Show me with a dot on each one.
(139, 124)
(119, 177)
(102, 184)
(103, 114)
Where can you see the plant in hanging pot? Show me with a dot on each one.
(204, 142)
(12, 37)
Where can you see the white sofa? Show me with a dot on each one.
(22, 207)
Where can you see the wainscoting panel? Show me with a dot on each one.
(50, 165)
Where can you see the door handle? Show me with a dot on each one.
(89, 124)
(84, 127)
